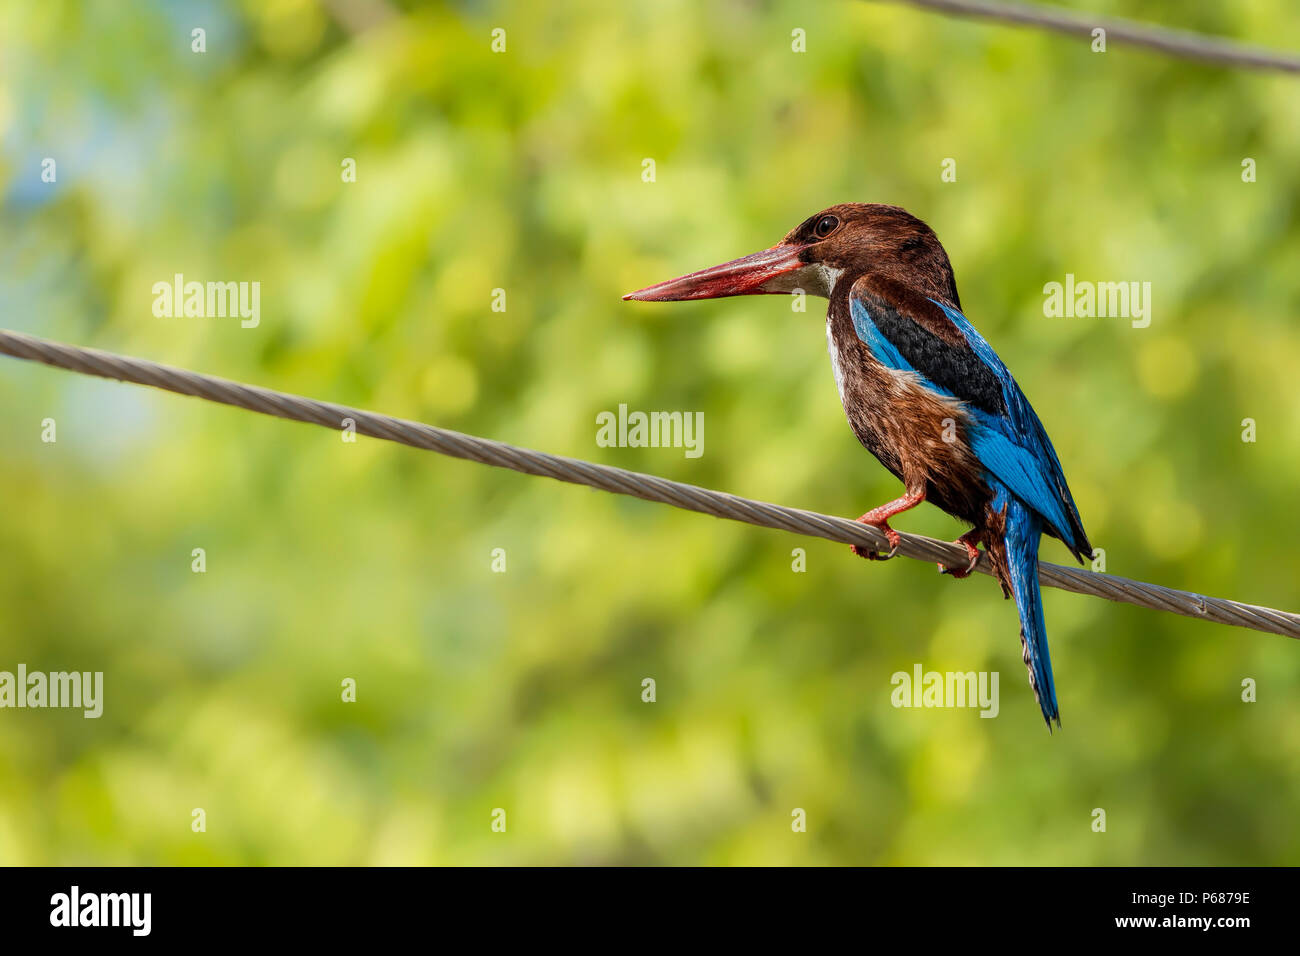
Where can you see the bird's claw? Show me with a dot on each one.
(892, 536)
(972, 552)
(870, 555)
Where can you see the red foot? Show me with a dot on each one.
(879, 518)
(971, 550)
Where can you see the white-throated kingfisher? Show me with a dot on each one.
(923, 392)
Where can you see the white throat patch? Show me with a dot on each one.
(816, 278)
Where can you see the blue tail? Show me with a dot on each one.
(1020, 576)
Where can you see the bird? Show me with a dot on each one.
(925, 393)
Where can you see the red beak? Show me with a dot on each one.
(747, 276)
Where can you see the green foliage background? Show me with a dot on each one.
(521, 690)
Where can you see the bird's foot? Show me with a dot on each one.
(882, 525)
(972, 551)
(879, 518)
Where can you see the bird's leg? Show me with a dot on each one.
(969, 540)
(879, 518)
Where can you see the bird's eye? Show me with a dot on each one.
(825, 226)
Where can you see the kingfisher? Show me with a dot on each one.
(925, 393)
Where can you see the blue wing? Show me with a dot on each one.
(1005, 433)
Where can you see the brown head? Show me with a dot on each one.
(837, 245)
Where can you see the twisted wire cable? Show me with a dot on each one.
(618, 480)
(1174, 42)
